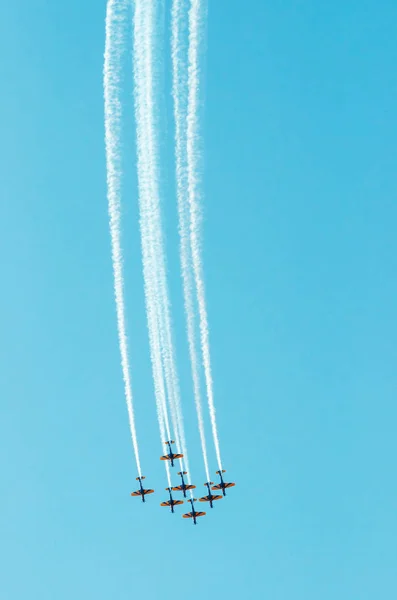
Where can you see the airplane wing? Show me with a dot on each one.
(225, 485)
(135, 493)
(148, 492)
(166, 457)
(189, 487)
(188, 515)
(174, 503)
(178, 456)
(200, 514)
(209, 498)
(178, 488)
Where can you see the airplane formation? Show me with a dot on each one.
(184, 487)
(187, 20)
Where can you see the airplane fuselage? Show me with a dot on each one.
(141, 490)
(210, 496)
(222, 485)
(183, 486)
(171, 503)
(171, 454)
(193, 512)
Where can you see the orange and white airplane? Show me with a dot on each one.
(184, 486)
(171, 502)
(210, 497)
(170, 456)
(222, 485)
(194, 513)
(141, 492)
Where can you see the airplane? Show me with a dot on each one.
(171, 502)
(184, 486)
(211, 497)
(141, 492)
(171, 456)
(222, 485)
(194, 514)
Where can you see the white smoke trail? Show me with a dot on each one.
(155, 225)
(114, 45)
(141, 81)
(179, 86)
(146, 59)
(192, 147)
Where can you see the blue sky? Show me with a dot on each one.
(300, 139)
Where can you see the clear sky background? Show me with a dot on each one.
(300, 145)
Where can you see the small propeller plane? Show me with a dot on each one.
(171, 456)
(171, 502)
(222, 485)
(184, 486)
(211, 497)
(141, 492)
(194, 514)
